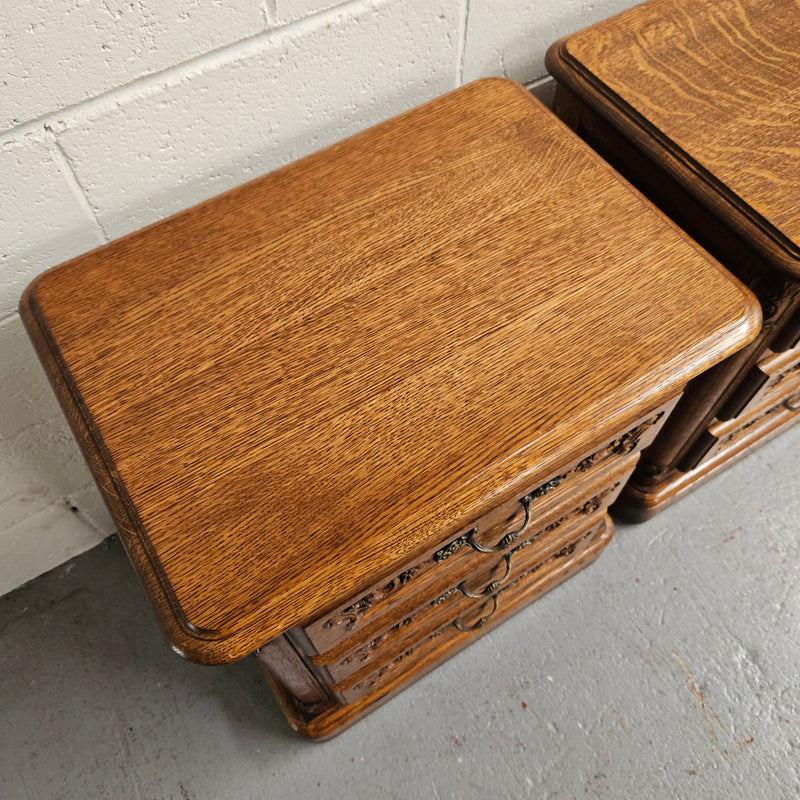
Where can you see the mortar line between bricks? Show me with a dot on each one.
(81, 515)
(71, 176)
(65, 502)
(270, 8)
(178, 73)
(537, 82)
(462, 42)
(8, 317)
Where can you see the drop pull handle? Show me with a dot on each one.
(490, 588)
(480, 623)
(792, 403)
(510, 537)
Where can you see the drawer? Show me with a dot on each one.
(777, 409)
(496, 530)
(467, 619)
(472, 570)
(415, 621)
(764, 381)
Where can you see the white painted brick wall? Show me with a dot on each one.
(43, 476)
(44, 216)
(116, 113)
(269, 102)
(510, 37)
(57, 53)
(290, 10)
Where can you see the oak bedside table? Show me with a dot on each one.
(354, 413)
(698, 104)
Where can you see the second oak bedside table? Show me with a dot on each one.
(698, 104)
(354, 413)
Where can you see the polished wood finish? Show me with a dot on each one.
(699, 85)
(589, 543)
(452, 559)
(294, 395)
(696, 104)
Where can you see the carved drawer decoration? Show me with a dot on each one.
(470, 585)
(778, 408)
(487, 574)
(469, 618)
(485, 535)
(470, 580)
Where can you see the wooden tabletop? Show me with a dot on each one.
(288, 390)
(711, 90)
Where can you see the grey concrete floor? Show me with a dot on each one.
(668, 669)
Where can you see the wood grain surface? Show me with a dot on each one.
(291, 389)
(711, 88)
(713, 394)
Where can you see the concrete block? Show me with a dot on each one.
(43, 217)
(284, 95)
(42, 474)
(509, 38)
(60, 52)
(42, 541)
(289, 10)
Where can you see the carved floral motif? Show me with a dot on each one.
(367, 651)
(348, 617)
(782, 376)
(625, 444)
(375, 678)
(448, 550)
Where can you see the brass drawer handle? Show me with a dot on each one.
(469, 537)
(480, 623)
(792, 403)
(489, 588)
(508, 538)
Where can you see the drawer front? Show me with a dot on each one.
(503, 570)
(496, 530)
(765, 381)
(778, 408)
(469, 620)
(474, 572)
